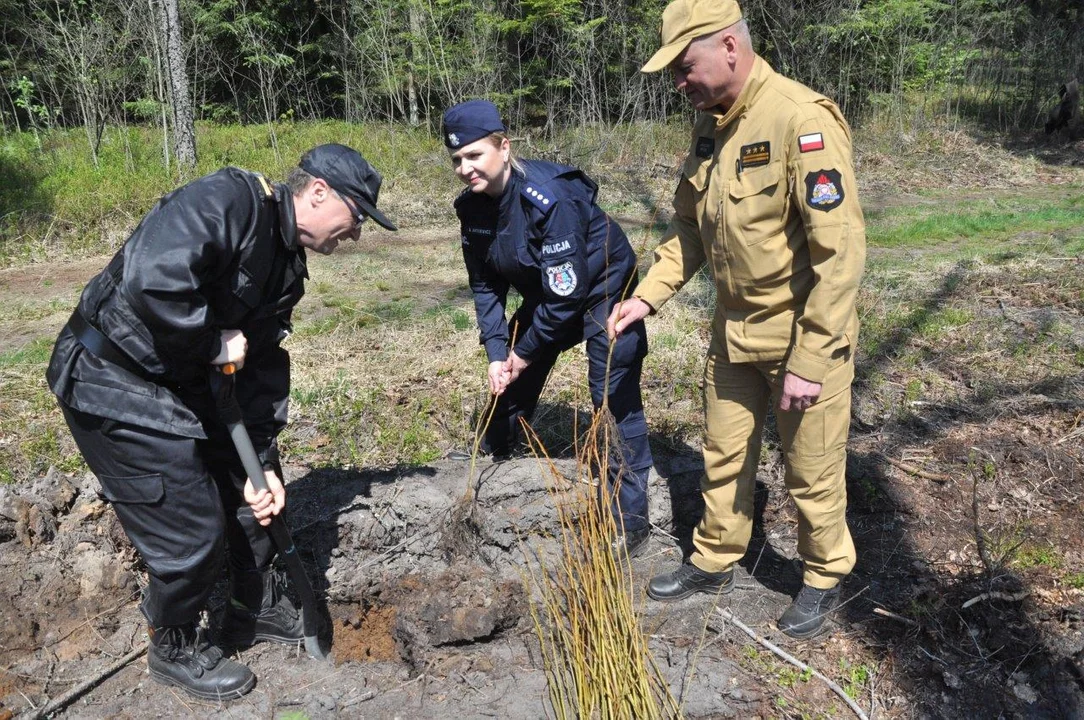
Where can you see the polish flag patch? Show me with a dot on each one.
(811, 142)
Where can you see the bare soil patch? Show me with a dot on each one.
(965, 482)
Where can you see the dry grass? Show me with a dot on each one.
(595, 653)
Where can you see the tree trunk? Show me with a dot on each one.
(184, 133)
(414, 23)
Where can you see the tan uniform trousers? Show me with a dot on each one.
(736, 401)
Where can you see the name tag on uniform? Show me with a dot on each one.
(705, 147)
(484, 232)
(755, 155)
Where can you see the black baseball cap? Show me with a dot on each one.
(349, 174)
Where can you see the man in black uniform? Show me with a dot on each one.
(210, 276)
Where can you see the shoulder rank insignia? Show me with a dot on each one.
(755, 155)
(540, 197)
(824, 189)
(266, 186)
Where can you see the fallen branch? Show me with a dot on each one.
(76, 692)
(936, 477)
(894, 616)
(995, 595)
(1076, 431)
(729, 617)
(364, 697)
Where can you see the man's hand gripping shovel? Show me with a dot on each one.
(222, 386)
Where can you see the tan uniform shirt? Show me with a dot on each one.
(768, 200)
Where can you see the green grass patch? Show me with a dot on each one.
(459, 319)
(934, 325)
(855, 678)
(1056, 222)
(1032, 556)
(37, 352)
(1074, 580)
(353, 315)
(356, 427)
(55, 201)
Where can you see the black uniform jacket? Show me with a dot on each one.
(546, 237)
(218, 253)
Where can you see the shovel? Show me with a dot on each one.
(222, 386)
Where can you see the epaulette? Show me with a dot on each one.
(540, 196)
(268, 191)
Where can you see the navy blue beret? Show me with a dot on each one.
(469, 121)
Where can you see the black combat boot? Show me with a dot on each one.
(181, 656)
(805, 616)
(258, 610)
(630, 544)
(688, 580)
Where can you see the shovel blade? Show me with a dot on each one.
(316, 650)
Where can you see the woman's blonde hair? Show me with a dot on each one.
(498, 139)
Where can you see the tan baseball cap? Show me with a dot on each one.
(684, 21)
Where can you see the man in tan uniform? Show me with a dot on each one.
(767, 199)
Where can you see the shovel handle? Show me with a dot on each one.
(222, 387)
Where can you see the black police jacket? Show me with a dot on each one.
(547, 238)
(218, 253)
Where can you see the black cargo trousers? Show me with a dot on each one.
(180, 500)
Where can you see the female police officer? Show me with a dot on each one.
(535, 226)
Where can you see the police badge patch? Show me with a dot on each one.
(562, 279)
(824, 189)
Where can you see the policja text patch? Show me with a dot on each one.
(824, 189)
(556, 248)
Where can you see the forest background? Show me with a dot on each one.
(546, 62)
(550, 64)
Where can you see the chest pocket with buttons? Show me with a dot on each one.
(692, 194)
(755, 204)
(697, 171)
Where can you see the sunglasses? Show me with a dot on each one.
(359, 215)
